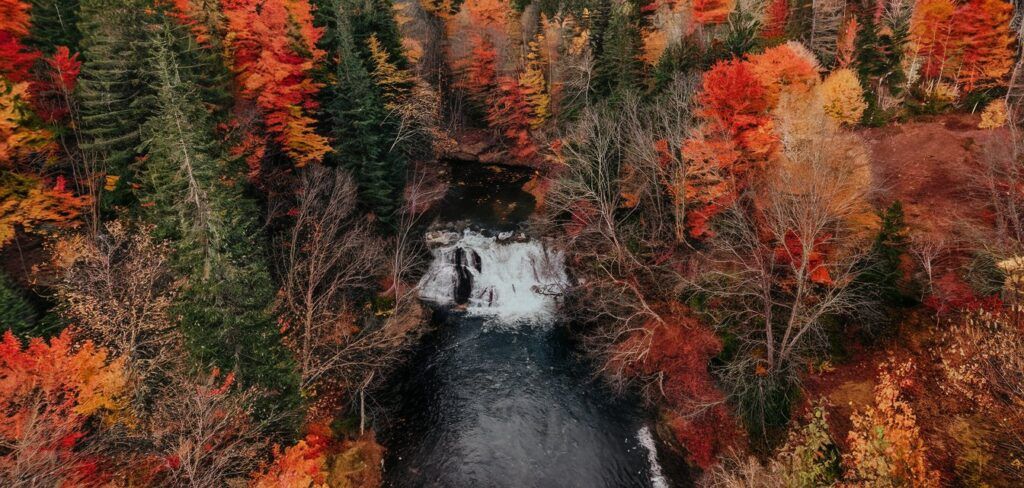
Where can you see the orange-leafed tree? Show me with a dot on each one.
(18, 139)
(273, 48)
(930, 30)
(48, 391)
(32, 204)
(303, 464)
(203, 18)
(711, 11)
(846, 44)
(15, 17)
(984, 38)
(787, 67)
(714, 167)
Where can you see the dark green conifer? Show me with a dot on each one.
(112, 90)
(16, 314)
(54, 23)
(192, 194)
(618, 66)
(354, 117)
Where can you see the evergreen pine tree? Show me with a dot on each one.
(618, 66)
(354, 117)
(54, 23)
(112, 91)
(16, 314)
(375, 18)
(194, 198)
(885, 274)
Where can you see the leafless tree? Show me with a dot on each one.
(611, 197)
(826, 17)
(330, 257)
(30, 459)
(118, 287)
(332, 264)
(999, 178)
(204, 427)
(928, 253)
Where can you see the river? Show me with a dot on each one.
(496, 396)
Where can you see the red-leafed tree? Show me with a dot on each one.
(984, 37)
(510, 113)
(737, 137)
(16, 60)
(794, 255)
(677, 350)
(776, 16)
(480, 70)
(734, 101)
(52, 91)
(273, 47)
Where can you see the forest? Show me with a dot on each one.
(792, 234)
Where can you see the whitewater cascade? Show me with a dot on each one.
(509, 278)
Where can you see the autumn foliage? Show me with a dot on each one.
(319, 460)
(48, 391)
(985, 40)
(678, 349)
(480, 72)
(776, 16)
(971, 43)
(273, 48)
(886, 447)
(711, 11)
(843, 97)
(512, 115)
(29, 99)
(303, 464)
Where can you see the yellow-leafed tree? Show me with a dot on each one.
(395, 83)
(534, 83)
(843, 96)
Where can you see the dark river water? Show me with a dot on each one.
(496, 396)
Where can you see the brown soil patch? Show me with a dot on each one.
(929, 164)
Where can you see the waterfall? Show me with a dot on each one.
(508, 278)
(647, 440)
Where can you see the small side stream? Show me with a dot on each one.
(496, 396)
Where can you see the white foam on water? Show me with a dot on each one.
(647, 440)
(516, 281)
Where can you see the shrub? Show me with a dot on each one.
(886, 448)
(810, 457)
(994, 115)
